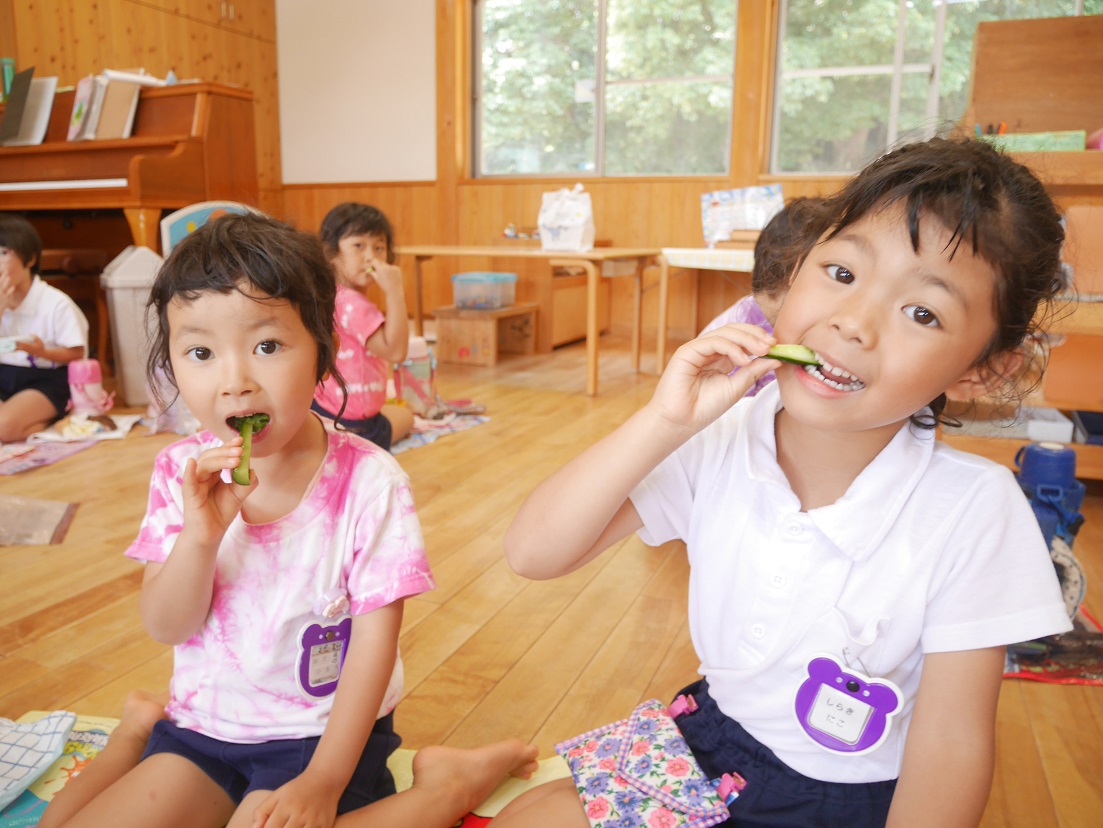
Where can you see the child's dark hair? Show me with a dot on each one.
(984, 198)
(18, 234)
(785, 242)
(354, 219)
(242, 253)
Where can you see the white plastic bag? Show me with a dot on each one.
(567, 220)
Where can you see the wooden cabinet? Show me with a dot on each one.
(567, 319)
(256, 18)
(1038, 76)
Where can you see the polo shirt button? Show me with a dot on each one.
(794, 529)
(758, 630)
(778, 581)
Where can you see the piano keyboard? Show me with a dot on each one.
(78, 184)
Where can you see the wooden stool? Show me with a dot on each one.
(472, 336)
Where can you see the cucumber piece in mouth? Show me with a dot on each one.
(246, 426)
(797, 354)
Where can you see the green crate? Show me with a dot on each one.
(1072, 140)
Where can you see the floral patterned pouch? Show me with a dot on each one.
(639, 771)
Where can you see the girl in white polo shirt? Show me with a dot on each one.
(837, 550)
(41, 331)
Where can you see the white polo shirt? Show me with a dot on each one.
(51, 315)
(929, 550)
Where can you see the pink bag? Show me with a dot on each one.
(642, 766)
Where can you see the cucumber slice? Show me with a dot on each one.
(246, 426)
(797, 354)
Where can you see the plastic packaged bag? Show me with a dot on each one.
(566, 220)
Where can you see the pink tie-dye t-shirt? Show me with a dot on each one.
(240, 677)
(365, 374)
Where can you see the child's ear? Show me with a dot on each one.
(983, 379)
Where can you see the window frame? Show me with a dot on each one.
(474, 92)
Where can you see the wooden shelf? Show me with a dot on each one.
(1089, 458)
(1082, 318)
(1065, 169)
(1043, 76)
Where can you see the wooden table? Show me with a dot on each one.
(737, 258)
(591, 261)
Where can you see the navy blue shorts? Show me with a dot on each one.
(377, 429)
(52, 382)
(776, 795)
(239, 769)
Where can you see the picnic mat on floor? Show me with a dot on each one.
(1075, 657)
(426, 431)
(89, 735)
(34, 522)
(19, 457)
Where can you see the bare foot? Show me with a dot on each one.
(471, 775)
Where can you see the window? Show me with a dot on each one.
(857, 76)
(603, 87)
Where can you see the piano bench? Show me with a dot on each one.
(76, 271)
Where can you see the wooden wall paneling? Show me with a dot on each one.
(205, 11)
(8, 43)
(65, 38)
(256, 18)
(252, 63)
(141, 36)
(411, 207)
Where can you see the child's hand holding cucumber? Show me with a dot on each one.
(246, 426)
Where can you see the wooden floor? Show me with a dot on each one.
(488, 654)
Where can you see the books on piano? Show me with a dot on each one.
(27, 112)
(120, 103)
(139, 76)
(86, 130)
(82, 104)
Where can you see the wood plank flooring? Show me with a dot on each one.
(488, 654)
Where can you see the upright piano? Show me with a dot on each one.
(191, 142)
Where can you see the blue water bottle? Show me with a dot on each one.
(1047, 474)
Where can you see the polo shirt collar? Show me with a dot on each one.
(857, 522)
(29, 305)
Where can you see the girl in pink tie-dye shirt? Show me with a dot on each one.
(283, 596)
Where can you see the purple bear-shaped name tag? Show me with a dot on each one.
(322, 651)
(845, 711)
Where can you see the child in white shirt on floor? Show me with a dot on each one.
(837, 549)
(41, 331)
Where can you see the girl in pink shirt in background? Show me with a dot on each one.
(359, 243)
(778, 252)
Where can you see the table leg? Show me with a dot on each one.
(419, 311)
(637, 311)
(592, 333)
(664, 298)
